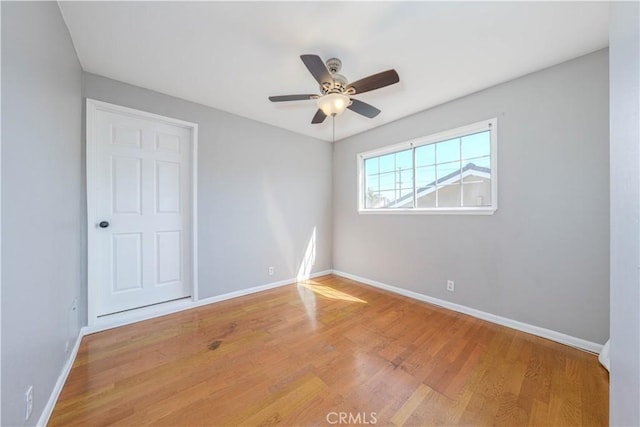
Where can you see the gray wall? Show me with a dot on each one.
(41, 205)
(625, 211)
(543, 257)
(261, 191)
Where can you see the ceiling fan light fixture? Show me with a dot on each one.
(333, 104)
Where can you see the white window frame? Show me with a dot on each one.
(490, 124)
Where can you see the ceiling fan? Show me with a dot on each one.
(336, 92)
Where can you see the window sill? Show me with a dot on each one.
(451, 211)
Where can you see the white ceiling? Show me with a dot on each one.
(233, 55)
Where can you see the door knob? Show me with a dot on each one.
(103, 224)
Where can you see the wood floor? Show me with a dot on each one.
(329, 352)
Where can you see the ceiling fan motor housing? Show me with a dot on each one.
(334, 65)
(339, 81)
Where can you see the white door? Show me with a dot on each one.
(139, 193)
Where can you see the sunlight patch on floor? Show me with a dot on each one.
(308, 298)
(329, 292)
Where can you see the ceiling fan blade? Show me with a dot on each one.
(319, 117)
(291, 98)
(317, 68)
(363, 108)
(375, 81)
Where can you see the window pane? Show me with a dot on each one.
(404, 179)
(449, 196)
(427, 198)
(373, 200)
(404, 159)
(387, 162)
(372, 182)
(425, 183)
(449, 184)
(388, 181)
(402, 185)
(371, 166)
(476, 184)
(426, 155)
(448, 171)
(483, 162)
(476, 145)
(447, 151)
(425, 175)
(404, 199)
(387, 198)
(476, 192)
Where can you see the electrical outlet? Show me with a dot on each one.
(271, 271)
(450, 285)
(28, 402)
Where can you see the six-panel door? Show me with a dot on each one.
(143, 192)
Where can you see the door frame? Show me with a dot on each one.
(92, 108)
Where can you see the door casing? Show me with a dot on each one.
(92, 107)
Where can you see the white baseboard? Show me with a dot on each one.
(510, 323)
(158, 310)
(604, 358)
(62, 378)
(144, 314)
(255, 289)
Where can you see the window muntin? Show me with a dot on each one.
(388, 177)
(453, 171)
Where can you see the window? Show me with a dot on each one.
(451, 172)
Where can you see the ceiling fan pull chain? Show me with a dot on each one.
(334, 130)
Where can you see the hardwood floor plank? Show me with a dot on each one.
(329, 348)
(400, 417)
